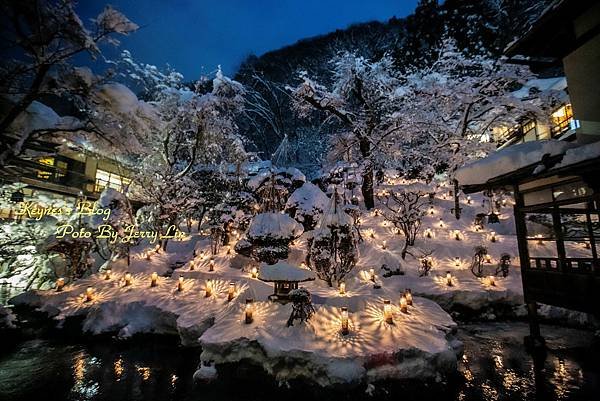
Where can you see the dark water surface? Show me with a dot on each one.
(495, 367)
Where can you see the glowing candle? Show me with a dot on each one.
(157, 248)
(539, 237)
(372, 274)
(345, 329)
(403, 304)
(387, 311)
(127, 279)
(384, 244)
(211, 265)
(488, 258)
(372, 234)
(342, 288)
(88, 294)
(192, 265)
(254, 272)
(449, 279)
(431, 210)
(180, 284)
(208, 288)
(428, 233)
(457, 261)
(248, 310)
(202, 254)
(492, 281)
(303, 265)
(153, 279)
(147, 255)
(468, 200)
(408, 296)
(503, 202)
(493, 236)
(457, 235)
(231, 291)
(107, 274)
(441, 223)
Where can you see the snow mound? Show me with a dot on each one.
(508, 160)
(419, 344)
(274, 226)
(308, 198)
(283, 271)
(580, 154)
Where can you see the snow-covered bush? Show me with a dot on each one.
(273, 186)
(332, 247)
(269, 235)
(306, 205)
(404, 209)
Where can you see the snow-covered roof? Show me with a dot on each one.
(579, 154)
(274, 225)
(542, 84)
(283, 271)
(508, 160)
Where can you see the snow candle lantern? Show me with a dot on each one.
(342, 288)
(127, 279)
(208, 288)
(457, 235)
(441, 224)
(539, 239)
(254, 272)
(428, 233)
(107, 274)
(468, 200)
(384, 244)
(493, 236)
(153, 279)
(457, 261)
(492, 281)
(231, 291)
(211, 265)
(387, 311)
(89, 292)
(345, 329)
(449, 278)
(372, 274)
(403, 304)
(147, 255)
(408, 296)
(431, 210)
(60, 283)
(180, 284)
(249, 308)
(488, 258)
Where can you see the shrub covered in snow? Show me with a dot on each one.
(306, 205)
(269, 235)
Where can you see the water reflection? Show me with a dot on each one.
(494, 367)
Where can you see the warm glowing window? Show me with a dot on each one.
(561, 118)
(111, 180)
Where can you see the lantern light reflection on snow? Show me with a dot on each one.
(342, 288)
(488, 258)
(403, 304)
(180, 284)
(127, 279)
(60, 283)
(254, 272)
(89, 294)
(372, 274)
(231, 291)
(449, 278)
(153, 279)
(345, 329)
(107, 273)
(208, 288)
(387, 311)
(248, 310)
(492, 281)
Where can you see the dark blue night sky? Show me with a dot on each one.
(195, 36)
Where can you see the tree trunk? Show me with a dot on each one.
(404, 249)
(367, 176)
(456, 201)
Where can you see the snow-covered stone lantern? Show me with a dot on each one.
(285, 278)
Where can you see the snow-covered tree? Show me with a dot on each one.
(44, 37)
(361, 101)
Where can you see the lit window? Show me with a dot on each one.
(561, 119)
(106, 179)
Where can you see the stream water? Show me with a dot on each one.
(494, 367)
